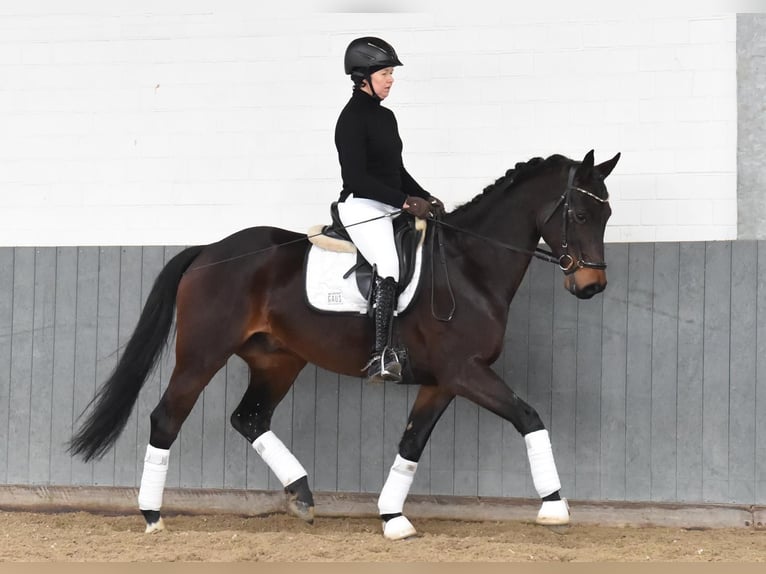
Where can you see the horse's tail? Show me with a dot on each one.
(115, 399)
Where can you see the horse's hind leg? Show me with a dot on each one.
(429, 406)
(272, 373)
(188, 380)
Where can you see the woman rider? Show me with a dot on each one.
(376, 185)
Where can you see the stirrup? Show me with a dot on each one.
(384, 367)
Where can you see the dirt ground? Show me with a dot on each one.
(26, 536)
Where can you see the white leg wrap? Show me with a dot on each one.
(153, 479)
(279, 458)
(544, 473)
(397, 486)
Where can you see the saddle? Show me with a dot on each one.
(408, 235)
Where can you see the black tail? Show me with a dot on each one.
(115, 399)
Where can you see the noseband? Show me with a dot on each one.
(567, 263)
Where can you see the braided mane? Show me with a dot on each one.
(518, 173)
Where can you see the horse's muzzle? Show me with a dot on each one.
(585, 283)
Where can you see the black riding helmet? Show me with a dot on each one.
(364, 56)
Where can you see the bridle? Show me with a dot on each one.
(566, 262)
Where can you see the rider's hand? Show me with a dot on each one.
(436, 205)
(417, 206)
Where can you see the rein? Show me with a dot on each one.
(285, 244)
(571, 265)
(566, 262)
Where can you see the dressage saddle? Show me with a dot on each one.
(406, 237)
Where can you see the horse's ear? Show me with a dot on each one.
(606, 168)
(585, 170)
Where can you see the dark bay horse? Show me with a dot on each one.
(244, 295)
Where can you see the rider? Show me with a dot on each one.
(376, 185)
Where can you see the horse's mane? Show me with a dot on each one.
(518, 173)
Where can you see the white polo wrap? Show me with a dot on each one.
(153, 478)
(397, 486)
(279, 458)
(544, 473)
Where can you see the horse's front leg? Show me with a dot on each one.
(429, 406)
(478, 383)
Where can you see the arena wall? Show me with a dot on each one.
(132, 129)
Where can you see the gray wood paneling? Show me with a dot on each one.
(350, 434)
(638, 398)
(107, 340)
(443, 453)
(663, 421)
(691, 306)
(490, 454)
(466, 448)
(6, 340)
(86, 335)
(20, 397)
(129, 309)
(653, 390)
(742, 374)
(760, 382)
(372, 459)
(41, 395)
(716, 384)
(326, 431)
(588, 399)
(214, 422)
(613, 374)
(63, 364)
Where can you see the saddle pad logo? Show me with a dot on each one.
(335, 298)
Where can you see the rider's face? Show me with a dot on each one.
(382, 80)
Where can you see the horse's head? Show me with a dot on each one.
(574, 226)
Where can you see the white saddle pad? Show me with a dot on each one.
(327, 290)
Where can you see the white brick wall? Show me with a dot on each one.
(180, 122)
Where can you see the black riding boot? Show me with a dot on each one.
(384, 364)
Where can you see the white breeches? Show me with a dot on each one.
(373, 239)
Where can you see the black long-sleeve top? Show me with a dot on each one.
(370, 153)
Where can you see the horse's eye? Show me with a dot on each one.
(580, 216)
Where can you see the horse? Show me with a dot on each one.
(244, 296)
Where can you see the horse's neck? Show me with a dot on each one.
(508, 220)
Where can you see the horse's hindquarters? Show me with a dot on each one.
(585, 283)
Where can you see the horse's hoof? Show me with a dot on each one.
(398, 528)
(300, 501)
(554, 513)
(155, 526)
(154, 521)
(301, 509)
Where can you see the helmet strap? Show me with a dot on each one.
(368, 79)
